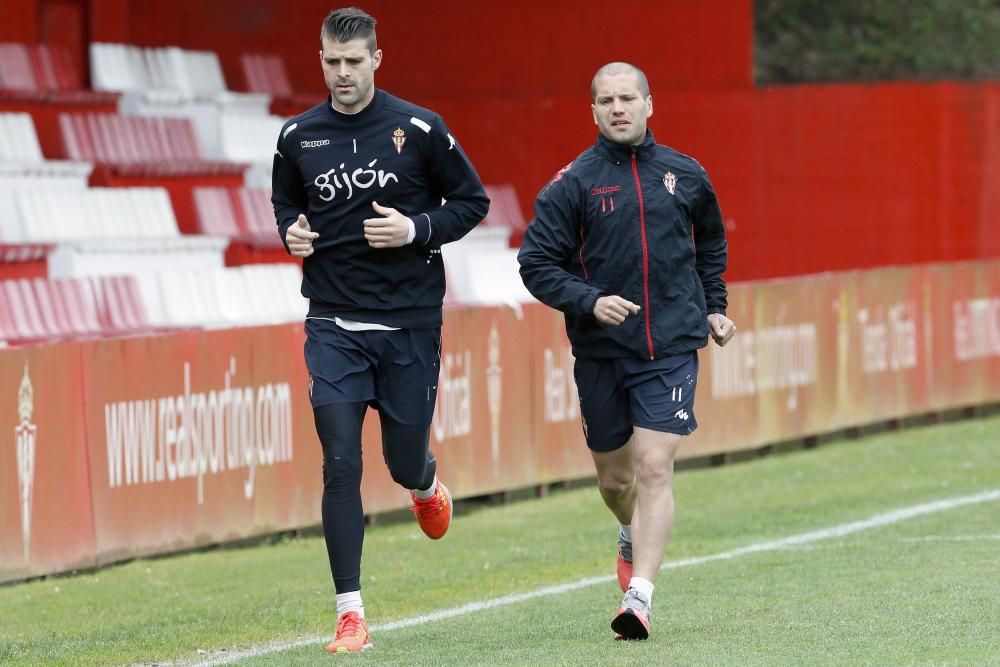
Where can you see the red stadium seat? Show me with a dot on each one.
(125, 312)
(242, 214)
(505, 211)
(16, 71)
(139, 145)
(81, 305)
(53, 67)
(266, 74)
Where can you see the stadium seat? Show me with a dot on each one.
(266, 74)
(120, 307)
(61, 216)
(239, 296)
(43, 73)
(250, 138)
(177, 83)
(18, 140)
(478, 276)
(242, 214)
(505, 211)
(16, 72)
(20, 152)
(27, 320)
(147, 146)
(80, 304)
(53, 68)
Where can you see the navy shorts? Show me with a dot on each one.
(617, 394)
(396, 372)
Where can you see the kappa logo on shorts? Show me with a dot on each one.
(682, 414)
(310, 385)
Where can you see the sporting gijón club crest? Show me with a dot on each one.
(670, 182)
(24, 434)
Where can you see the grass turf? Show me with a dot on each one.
(923, 591)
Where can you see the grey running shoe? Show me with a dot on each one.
(624, 561)
(631, 621)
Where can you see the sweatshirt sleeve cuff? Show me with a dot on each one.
(421, 229)
(283, 232)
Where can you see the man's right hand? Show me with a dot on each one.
(300, 238)
(612, 310)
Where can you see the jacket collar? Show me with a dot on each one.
(618, 152)
(366, 114)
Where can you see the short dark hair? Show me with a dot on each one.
(343, 25)
(620, 68)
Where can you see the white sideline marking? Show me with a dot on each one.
(877, 521)
(952, 538)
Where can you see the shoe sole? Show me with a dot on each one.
(629, 626)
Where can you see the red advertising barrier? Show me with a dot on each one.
(198, 438)
(121, 448)
(726, 378)
(46, 519)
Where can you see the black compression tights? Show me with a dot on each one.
(410, 463)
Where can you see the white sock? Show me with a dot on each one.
(424, 494)
(350, 602)
(644, 586)
(625, 531)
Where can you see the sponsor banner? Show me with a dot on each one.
(482, 420)
(966, 329)
(197, 438)
(557, 429)
(794, 328)
(725, 403)
(889, 345)
(46, 522)
(988, 324)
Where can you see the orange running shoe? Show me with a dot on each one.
(434, 513)
(624, 562)
(352, 634)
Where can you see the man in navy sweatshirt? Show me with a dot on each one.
(628, 242)
(358, 186)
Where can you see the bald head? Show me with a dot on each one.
(614, 69)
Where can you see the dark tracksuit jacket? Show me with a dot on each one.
(641, 222)
(331, 166)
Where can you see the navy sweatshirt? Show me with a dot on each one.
(641, 222)
(331, 167)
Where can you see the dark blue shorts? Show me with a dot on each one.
(617, 394)
(396, 372)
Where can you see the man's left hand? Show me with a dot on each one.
(389, 231)
(722, 328)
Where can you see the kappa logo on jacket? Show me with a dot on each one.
(314, 144)
(607, 195)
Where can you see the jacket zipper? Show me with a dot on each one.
(645, 255)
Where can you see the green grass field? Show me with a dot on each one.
(894, 591)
